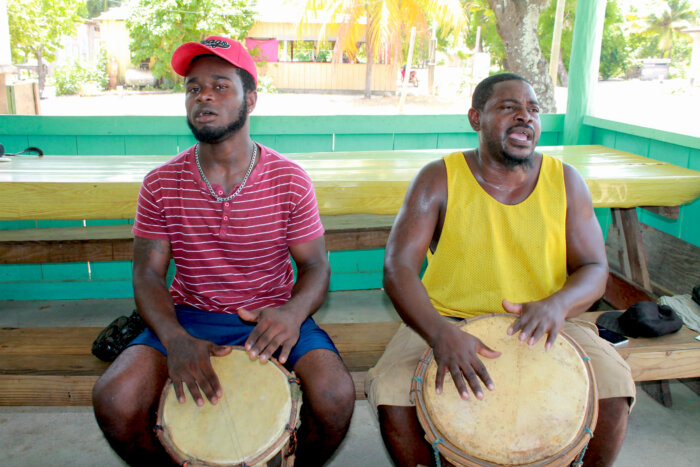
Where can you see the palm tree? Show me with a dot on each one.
(385, 23)
(667, 27)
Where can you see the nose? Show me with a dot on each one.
(524, 115)
(205, 94)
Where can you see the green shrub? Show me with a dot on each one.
(75, 76)
(265, 85)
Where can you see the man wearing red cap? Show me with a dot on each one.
(230, 211)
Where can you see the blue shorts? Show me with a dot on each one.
(228, 329)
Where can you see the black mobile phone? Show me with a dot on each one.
(611, 336)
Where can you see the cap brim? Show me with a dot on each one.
(186, 52)
(609, 320)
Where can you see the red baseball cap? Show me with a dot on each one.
(228, 49)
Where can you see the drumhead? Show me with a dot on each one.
(248, 422)
(542, 402)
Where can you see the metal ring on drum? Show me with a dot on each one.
(542, 411)
(255, 420)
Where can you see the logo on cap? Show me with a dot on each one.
(216, 44)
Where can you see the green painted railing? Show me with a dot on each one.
(351, 269)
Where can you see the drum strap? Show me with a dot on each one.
(436, 453)
(579, 460)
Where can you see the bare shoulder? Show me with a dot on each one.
(578, 197)
(431, 180)
(576, 187)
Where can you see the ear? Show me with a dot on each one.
(474, 119)
(252, 98)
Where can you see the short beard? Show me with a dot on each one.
(218, 134)
(510, 161)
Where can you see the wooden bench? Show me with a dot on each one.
(54, 366)
(115, 242)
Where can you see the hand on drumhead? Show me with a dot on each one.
(458, 352)
(536, 319)
(189, 365)
(275, 329)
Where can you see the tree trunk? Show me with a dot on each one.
(517, 26)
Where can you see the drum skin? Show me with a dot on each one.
(539, 413)
(247, 426)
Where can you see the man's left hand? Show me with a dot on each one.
(535, 320)
(275, 328)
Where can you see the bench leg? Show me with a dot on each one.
(632, 255)
(659, 390)
(692, 383)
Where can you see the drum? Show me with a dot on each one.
(256, 418)
(542, 411)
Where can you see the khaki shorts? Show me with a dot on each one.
(389, 382)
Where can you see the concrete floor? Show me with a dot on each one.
(36, 436)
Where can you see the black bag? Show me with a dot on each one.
(116, 336)
(38, 151)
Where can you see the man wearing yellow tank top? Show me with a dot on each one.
(506, 230)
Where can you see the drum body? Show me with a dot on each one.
(542, 410)
(255, 419)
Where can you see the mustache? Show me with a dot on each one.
(522, 125)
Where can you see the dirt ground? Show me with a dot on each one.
(666, 105)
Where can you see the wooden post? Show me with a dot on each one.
(432, 47)
(556, 42)
(583, 68)
(407, 73)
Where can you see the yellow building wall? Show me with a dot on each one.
(326, 76)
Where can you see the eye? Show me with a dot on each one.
(193, 90)
(535, 110)
(220, 87)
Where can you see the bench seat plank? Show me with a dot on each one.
(115, 242)
(54, 366)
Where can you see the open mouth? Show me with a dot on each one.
(520, 134)
(205, 115)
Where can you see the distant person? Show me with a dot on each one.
(506, 230)
(230, 211)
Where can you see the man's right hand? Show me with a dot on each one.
(189, 365)
(457, 351)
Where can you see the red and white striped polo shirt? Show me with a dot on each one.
(232, 254)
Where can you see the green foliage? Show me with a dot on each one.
(95, 8)
(101, 76)
(545, 30)
(481, 15)
(76, 77)
(36, 26)
(614, 53)
(265, 85)
(158, 27)
(667, 27)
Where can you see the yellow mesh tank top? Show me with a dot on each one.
(489, 251)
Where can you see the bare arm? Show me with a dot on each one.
(587, 266)
(188, 357)
(415, 228)
(279, 327)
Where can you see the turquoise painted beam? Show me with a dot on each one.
(583, 69)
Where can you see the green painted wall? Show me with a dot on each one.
(351, 270)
